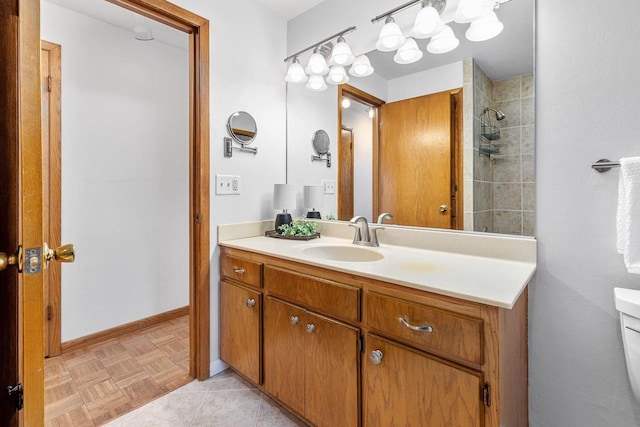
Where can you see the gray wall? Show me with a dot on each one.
(587, 106)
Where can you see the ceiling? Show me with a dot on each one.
(288, 9)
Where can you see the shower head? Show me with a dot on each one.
(499, 114)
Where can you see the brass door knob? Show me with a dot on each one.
(15, 259)
(444, 208)
(65, 253)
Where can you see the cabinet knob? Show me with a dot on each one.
(444, 208)
(238, 270)
(294, 320)
(376, 357)
(311, 327)
(250, 302)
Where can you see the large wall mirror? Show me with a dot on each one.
(482, 181)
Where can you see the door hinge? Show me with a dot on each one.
(486, 395)
(49, 83)
(49, 312)
(18, 394)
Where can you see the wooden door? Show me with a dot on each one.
(240, 321)
(410, 388)
(21, 295)
(331, 372)
(415, 160)
(284, 353)
(345, 175)
(51, 189)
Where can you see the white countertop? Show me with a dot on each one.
(488, 280)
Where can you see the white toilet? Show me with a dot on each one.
(628, 304)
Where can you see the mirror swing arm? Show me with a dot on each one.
(228, 147)
(320, 158)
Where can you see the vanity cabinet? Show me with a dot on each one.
(339, 349)
(311, 364)
(405, 387)
(241, 316)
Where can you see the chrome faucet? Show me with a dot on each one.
(365, 235)
(384, 216)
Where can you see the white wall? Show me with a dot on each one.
(426, 82)
(362, 160)
(247, 49)
(124, 173)
(577, 369)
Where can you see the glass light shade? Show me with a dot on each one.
(484, 28)
(341, 53)
(361, 67)
(443, 42)
(316, 83)
(428, 23)
(141, 30)
(312, 195)
(317, 65)
(408, 52)
(346, 103)
(295, 73)
(470, 10)
(284, 196)
(371, 112)
(337, 75)
(390, 38)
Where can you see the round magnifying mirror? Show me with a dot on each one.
(321, 142)
(242, 127)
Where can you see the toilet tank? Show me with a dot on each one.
(628, 304)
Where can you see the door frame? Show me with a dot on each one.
(199, 169)
(375, 103)
(345, 156)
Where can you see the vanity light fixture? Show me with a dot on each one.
(295, 73)
(341, 53)
(337, 75)
(408, 53)
(317, 64)
(340, 56)
(346, 102)
(361, 67)
(391, 37)
(431, 23)
(316, 83)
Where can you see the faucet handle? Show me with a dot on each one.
(358, 235)
(374, 234)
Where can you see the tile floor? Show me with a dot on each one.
(222, 400)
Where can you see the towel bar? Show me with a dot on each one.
(604, 165)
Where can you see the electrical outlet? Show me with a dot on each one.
(227, 184)
(328, 186)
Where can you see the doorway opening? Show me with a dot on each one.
(196, 190)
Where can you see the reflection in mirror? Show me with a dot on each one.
(242, 127)
(495, 189)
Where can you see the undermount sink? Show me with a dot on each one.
(343, 253)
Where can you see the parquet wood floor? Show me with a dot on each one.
(93, 385)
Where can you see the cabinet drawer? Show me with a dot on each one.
(242, 270)
(326, 296)
(451, 334)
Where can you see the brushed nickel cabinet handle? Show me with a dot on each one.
(238, 270)
(311, 327)
(250, 302)
(376, 357)
(294, 320)
(425, 328)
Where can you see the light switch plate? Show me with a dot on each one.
(328, 186)
(227, 184)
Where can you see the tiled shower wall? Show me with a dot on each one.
(513, 168)
(499, 194)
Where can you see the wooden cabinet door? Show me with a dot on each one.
(331, 372)
(410, 388)
(240, 314)
(284, 353)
